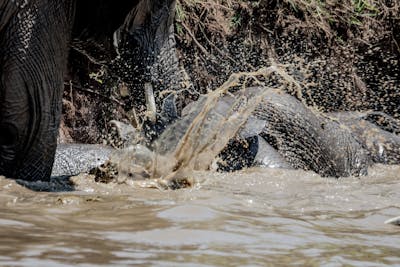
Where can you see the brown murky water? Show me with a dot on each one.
(257, 217)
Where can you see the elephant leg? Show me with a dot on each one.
(33, 56)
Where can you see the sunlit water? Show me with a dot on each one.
(255, 217)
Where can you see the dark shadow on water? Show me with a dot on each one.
(55, 184)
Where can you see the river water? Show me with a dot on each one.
(256, 217)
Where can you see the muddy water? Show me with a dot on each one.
(255, 217)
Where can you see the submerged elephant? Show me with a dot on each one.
(281, 132)
(35, 36)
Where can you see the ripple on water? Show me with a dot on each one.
(176, 237)
(255, 217)
(188, 213)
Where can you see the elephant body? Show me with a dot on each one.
(281, 133)
(35, 36)
(308, 140)
(330, 144)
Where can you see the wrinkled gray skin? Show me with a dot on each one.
(72, 159)
(309, 141)
(302, 138)
(291, 135)
(35, 36)
(381, 141)
(335, 145)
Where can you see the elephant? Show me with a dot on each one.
(302, 137)
(281, 132)
(35, 40)
(331, 144)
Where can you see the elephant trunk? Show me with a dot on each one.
(146, 45)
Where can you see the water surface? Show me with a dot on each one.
(256, 217)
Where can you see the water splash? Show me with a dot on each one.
(193, 142)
